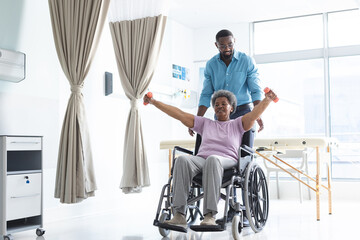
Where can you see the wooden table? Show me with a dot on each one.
(318, 143)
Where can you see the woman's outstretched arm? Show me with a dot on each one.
(249, 119)
(186, 118)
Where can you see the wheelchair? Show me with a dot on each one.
(247, 175)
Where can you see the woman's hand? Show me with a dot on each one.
(148, 98)
(186, 118)
(271, 95)
(249, 119)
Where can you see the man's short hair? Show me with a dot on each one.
(223, 33)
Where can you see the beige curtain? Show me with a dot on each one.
(77, 26)
(137, 46)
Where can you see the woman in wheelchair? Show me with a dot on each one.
(221, 140)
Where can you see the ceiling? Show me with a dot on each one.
(207, 13)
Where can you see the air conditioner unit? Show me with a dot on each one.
(12, 66)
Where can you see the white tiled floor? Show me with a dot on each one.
(287, 220)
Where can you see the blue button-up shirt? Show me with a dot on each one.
(240, 78)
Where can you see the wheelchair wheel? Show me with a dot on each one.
(256, 197)
(236, 227)
(164, 232)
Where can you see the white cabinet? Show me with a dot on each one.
(21, 179)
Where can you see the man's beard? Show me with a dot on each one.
(227, 57)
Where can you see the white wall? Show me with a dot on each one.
(31, 107)
(181, 41)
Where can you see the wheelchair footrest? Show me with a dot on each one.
(177, 228)
(207, 228)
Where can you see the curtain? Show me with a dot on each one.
(77, 27)
(137, 45)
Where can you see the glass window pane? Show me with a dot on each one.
(345, 115)
(300, 110)
(288, 34)
(344, 28)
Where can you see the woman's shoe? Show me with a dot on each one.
(178, 219)
(208, 220)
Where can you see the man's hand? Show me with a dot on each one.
(191, 132)
(261, 124)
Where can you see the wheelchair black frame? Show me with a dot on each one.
(237, 180)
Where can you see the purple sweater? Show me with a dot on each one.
(219, 138)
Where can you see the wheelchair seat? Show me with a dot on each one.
(228, 173)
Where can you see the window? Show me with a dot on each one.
(344, 28)
(288, 35)
(345, 115)
(300, 111)
(294, 59)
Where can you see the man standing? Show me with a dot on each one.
(233, 71)
(236, 72)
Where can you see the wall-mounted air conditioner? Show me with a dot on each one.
(12, 65)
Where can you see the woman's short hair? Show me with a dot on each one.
(225, 93)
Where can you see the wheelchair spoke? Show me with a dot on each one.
(255, 180)
(262, 199)
(260, 212)
(261, 183)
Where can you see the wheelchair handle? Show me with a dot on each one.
(149, 95)
(266, 90)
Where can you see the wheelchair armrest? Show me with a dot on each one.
(246, 149)
(244, 161)
(184, 150)
(180, 149)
